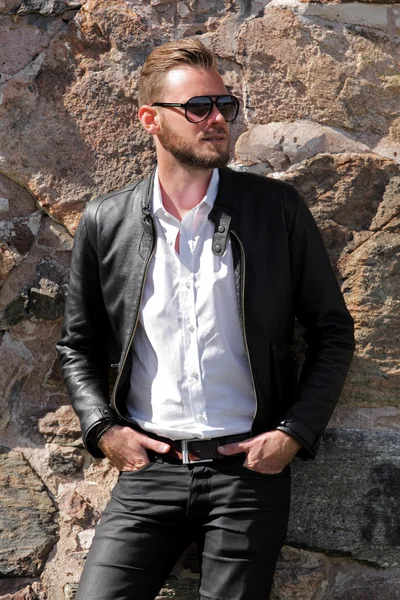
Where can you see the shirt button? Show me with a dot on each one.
(187, 284)
(221, 229)
(195, 375)
(191, 328)
(217, 248)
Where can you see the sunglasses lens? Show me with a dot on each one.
(198, 108)
(228, 106)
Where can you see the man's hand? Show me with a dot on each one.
(126, 448)
(268, 453)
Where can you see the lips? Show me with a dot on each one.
(215, 136)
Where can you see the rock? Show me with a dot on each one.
(22, 41)
(49, 291)
(356, 14)
(85, 539)
(19, 233)
(17, 363)
(16, 239)
(70, 590)
(61, 427)
(384, 418)
(79, 510)
(8, 260)
(348, 1)
(301, 575)
(16, 310)
(42, 300)
(86, 121)
(15, 201)
(7, 5)
(28, 518)
(66, 462)
(290, 59)
(346, 501)
(46, 7)
(25, 594)
(282, 145)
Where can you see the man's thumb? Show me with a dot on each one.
(230, 449)
(159, 447)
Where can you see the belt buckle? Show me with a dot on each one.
(185, 454)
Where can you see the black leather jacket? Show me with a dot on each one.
(281, 269)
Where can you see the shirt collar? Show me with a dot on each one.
(209, 198)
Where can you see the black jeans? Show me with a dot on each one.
(238, 518)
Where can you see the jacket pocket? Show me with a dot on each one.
(284, 374)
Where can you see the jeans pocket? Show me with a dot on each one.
(252, 473)
(136, 471)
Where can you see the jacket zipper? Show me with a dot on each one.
(243, 279)
(114, 393)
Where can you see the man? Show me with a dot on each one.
(197, 274)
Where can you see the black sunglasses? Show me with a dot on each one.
(199, 108)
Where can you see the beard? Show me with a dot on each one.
(183, 151)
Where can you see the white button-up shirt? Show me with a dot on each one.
(190, 373)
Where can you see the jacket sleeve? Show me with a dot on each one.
(329, 333)
(83, 346)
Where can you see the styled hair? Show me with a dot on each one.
(188, 52)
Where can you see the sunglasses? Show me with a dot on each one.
(199, 108)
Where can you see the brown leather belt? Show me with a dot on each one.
(197, 451)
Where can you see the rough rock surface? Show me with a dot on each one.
(346, 501)
(299, 572)
(293, 58)
(319, 86)
(28, 517)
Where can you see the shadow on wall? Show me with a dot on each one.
(381, 504)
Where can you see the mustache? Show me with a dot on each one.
(211, 132)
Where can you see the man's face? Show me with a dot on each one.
(201, 145)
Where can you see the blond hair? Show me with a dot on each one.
(186, 52)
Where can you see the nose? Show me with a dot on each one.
(215, 116)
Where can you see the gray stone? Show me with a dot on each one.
(347, 501)
(43, 300)
(66, 462)
(27, 517)
(382, 418)
(16, 364)
(46, 7)
(302, 575)
(17, 310)
(19, 233)
(15, 200)
(49, 291)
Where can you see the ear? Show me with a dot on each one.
(149, 119)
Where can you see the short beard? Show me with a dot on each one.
(183, 152)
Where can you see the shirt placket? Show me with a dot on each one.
(192, 368)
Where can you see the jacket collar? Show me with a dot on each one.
(221, 213)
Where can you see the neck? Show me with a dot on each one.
(182, 187)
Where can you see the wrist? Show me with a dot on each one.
(290, 443)
(101, 431)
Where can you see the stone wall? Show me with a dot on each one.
(319, 85)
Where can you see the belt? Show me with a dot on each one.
(197, 451)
